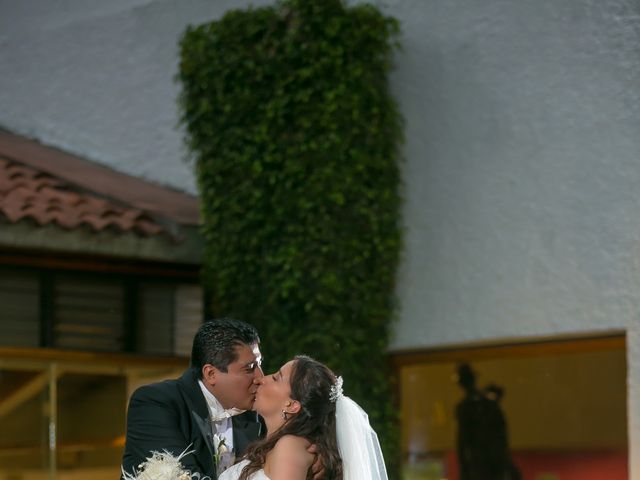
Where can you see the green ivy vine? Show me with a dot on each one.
(296, 138)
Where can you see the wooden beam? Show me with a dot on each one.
(36, 359)
(89, 445)
(98, 264)
(517, 348)
(24, 393)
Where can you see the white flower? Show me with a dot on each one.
(218, 441)
(220, 446)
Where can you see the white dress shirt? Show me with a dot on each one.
(221, 418)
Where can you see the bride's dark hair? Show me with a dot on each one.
(311, 383)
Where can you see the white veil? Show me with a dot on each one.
(357, 441)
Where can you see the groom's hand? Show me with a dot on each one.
(316, 468)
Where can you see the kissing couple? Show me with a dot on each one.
(295, 424)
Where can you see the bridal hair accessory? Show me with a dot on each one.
(336, 390)
(357, 441)
(163, 466)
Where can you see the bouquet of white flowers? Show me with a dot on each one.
(163, 466)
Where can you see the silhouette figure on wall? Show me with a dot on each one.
(482, 443)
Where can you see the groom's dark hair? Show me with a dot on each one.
(216, 340)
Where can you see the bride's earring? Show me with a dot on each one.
(284, 414)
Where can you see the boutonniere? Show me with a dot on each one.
(220, 447)
(224, 455)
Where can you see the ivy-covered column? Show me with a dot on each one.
(296, 143)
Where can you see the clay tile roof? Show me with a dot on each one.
(27, 193)
(56, 166)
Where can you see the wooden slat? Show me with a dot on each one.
(189, 316)
(156, 317)
(94, 316)
(88, 314)
(19, 314)
(516, 348)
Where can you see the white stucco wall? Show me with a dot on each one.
(522, 179)
(522, 172)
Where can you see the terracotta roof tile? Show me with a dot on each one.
(27, 193)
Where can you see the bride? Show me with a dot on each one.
(303, 404)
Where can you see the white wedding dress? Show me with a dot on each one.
(234, 471)
(358, 444)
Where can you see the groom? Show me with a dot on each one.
(203, 409)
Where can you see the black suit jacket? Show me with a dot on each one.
(173, 415)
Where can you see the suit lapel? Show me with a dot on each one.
(204, 426)
(191, 388)
(199, 411)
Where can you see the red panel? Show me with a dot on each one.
(563, 466)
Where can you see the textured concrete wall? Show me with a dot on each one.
(522, 155)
